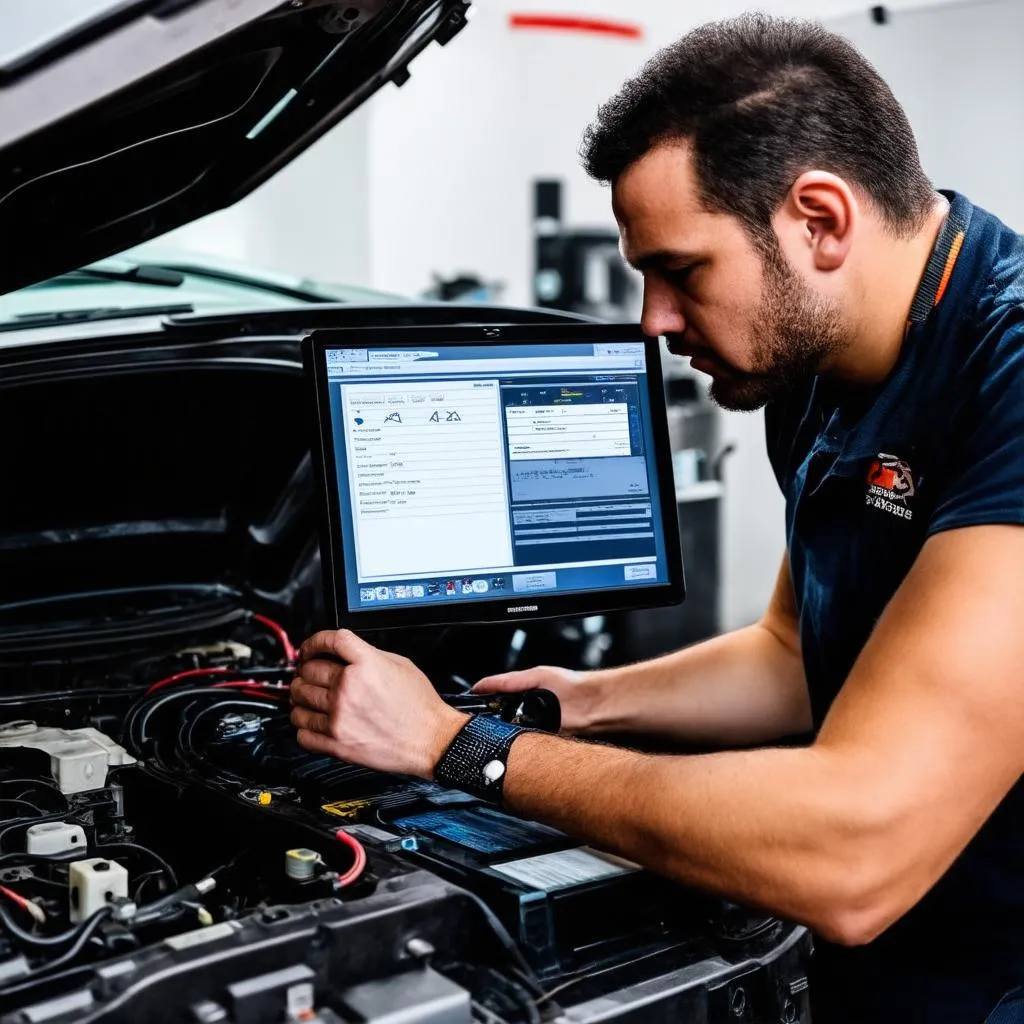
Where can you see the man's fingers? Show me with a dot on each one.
(311, 696)
(339, 643)
(509, 682)
(314, 742)
(319, 672)
(315, 721)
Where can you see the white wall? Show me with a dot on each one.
(446, 152)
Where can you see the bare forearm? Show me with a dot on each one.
(768, 827)
(745, 687)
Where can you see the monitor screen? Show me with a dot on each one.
(470, 477)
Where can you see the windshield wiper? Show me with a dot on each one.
(78, 316)
(303, 292)
(142, 273)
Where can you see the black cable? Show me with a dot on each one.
(141, 881)
(40, 858)
(485, 1015)
(525, 970)
(150, 705)
(132, 724)
(51, 882)
(521, 996)
(498, 995)
(43, 942)
(86, 931)
(22, 803)
(589, 975)
(185, 750)
(103, 848)
(172, 902)
(10, 826)
(529, 981)
(20, 699)
(41, 783)
(188, 727)
(54, 795)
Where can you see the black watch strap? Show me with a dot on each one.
(477, 758)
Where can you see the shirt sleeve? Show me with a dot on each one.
(983, 482)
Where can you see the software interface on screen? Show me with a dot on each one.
(474, 472)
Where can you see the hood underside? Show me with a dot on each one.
(185, 471)
(162, 112)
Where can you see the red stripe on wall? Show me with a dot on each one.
(565, 23)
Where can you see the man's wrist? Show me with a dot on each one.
(448, 724)
(476, 760)
(591, 699)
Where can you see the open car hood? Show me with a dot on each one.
(132, 117)
(149, 468)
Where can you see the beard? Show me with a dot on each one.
(794, 333)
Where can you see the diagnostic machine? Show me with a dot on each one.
(492, 474)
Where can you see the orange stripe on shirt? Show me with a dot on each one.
(954, 251)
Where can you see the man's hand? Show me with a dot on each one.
(376, 709)
(571, 688)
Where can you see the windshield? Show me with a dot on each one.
(169, 281)
(40, 25)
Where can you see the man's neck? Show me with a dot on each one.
(889, 284)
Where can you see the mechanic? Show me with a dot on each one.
(768, 186)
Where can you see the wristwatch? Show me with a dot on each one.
(476, 759)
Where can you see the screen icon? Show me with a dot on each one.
(498, 583)
(449, 587)
(367, 594)
(479, 586)
(417, 590)
(467, 586)
(383, 593)
(433, 588)
(401, 592)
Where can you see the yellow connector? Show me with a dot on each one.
(345, 808)
(264, 798)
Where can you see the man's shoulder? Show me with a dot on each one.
(997, 268)
(970, 343)
(991, 329)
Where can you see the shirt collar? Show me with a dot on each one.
(943, 258)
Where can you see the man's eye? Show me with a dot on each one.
(679, 276)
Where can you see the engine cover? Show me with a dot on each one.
(79, 758)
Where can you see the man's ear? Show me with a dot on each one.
(819, 215)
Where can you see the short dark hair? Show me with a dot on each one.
(761, 100)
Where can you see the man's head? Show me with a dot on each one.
(755, 164)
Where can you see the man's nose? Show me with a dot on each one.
(661, 313)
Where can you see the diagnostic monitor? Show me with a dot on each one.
(490, 474)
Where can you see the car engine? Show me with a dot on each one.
(169, 852)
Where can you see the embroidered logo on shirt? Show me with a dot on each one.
(890, 485)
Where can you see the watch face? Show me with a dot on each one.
(493, 771)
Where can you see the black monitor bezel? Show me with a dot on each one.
(497, 610)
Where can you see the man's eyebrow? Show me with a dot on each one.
(659, 258)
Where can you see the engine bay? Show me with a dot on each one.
(169, 852)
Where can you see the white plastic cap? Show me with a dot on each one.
(94, 883)
(50, 837)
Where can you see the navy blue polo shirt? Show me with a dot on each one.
(867, 479)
